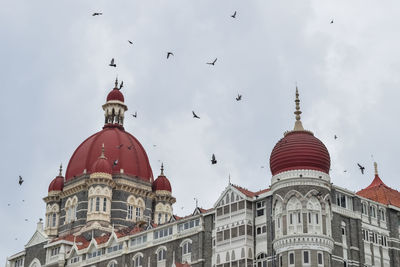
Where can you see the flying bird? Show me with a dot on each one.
(361, 168)
(335, 136)
(195, 115)
(129, 41)
(112, 63)
(121, 145)
(345, 171)
(331, 21)
(234, 15)
(97, 14)
(213, 160)
(134, 115)
(121, 85)
(212, 63)
(239, 97)
(169, 54)
(115, 162)
(20, 180)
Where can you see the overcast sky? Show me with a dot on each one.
(55, 76)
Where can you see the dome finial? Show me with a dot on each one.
(116, 83)
(376, 168)
(162, 169)
(298, 126)
(102, 152)
(60, 173)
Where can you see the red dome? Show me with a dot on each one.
(102, 165)
(57, 184)
(119, 145)
(161, 183)
(299, 150)
(115, 94)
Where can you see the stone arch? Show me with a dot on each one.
(290, 194)
(112, 263)
(35, 263)
(293, 204)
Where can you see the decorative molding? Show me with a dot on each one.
(346, 212)
(294, 242)
(296, 174)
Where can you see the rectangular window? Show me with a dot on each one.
(306, 257)
(298, 217)
(249, 230)
(260, 208)
(219, 236)
(234, 207)
(241, 205)
(316, 219)
(97, 204)
(320, 258)
(241, 230)
(219, 212)
(130, 212)
(249, 205)
(105, 204)
(291, 258)
(291, 218)
(54, 222)
(226, 234)
(234, 232)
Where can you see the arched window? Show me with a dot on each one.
(112, 263)
(54, 220)
(186, 248)
(261, 260)
(278, 219)
(314, 216)
(138, 260)
(162, 254)
(104, 204)
(294, 220)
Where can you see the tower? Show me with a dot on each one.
(301, 208)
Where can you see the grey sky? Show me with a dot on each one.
(55, 77)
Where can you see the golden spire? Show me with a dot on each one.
(376, 168)
(102, 152)
(298, 126)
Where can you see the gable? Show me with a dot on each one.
(37, 238)
(230, 194)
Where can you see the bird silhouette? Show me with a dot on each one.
(345, 171)
(121, 85)
(331, 21)
(129, 41)
(362, 168)
(213, 160)
(234, 15)
(115, 162)
(121, 145)
(134, 115)
(195, 115)
(212, 63)
(335, 137)
(112, 63)
(97, 14)
(20, 181)
(169, 54)
(239, 97)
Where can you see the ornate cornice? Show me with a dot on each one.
(305, 241)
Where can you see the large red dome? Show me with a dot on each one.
(299, 150)
(119, 145)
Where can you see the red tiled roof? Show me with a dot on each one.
(379, 192)
(249, 193)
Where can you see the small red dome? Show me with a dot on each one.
(115, 94)
(57, 184)
(121, 148)
(161, 183)
(299, 150)
(102, 165)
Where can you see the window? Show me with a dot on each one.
(91, 204)
(241, 230)
(241, 205)
(54, 220)
(320, 259)
(138, 214)
(306, 257)
(114, 248)
(249, 205)
(19, 263)
(130, 209)
(343, 201)
(364, 209)
(226, 234)
(261, 260)
(165, 219)
(188, 225)
(112, 264)
(163, 233)
(159, 218)
(162, 254)
(260, 208)
(138, 240)
(55, 251)
(187, 248)
(372, 211)
(137, 261)
(105, 204)
(382, 215)
(249, 230)
(97, 204)
(74, 260)
(291, 258)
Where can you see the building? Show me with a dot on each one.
(109, 211)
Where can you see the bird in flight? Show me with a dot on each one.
(121, 85)
(195, 115)
(112, 63)
(121, 145)
(331, 21)
(115, 162)
(129, 41)
(234, 15)
(345, 171)
(213, 160)
(362, 168)
(239, 97)
(212, 63)
(20, 181)
(135, 115)
(169, 54)
(97, 14)
(335, 137)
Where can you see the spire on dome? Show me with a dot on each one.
(376, 168)
(162, 169)
(116, 83)
(298, 126)
(102, 152)
(60, 173)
